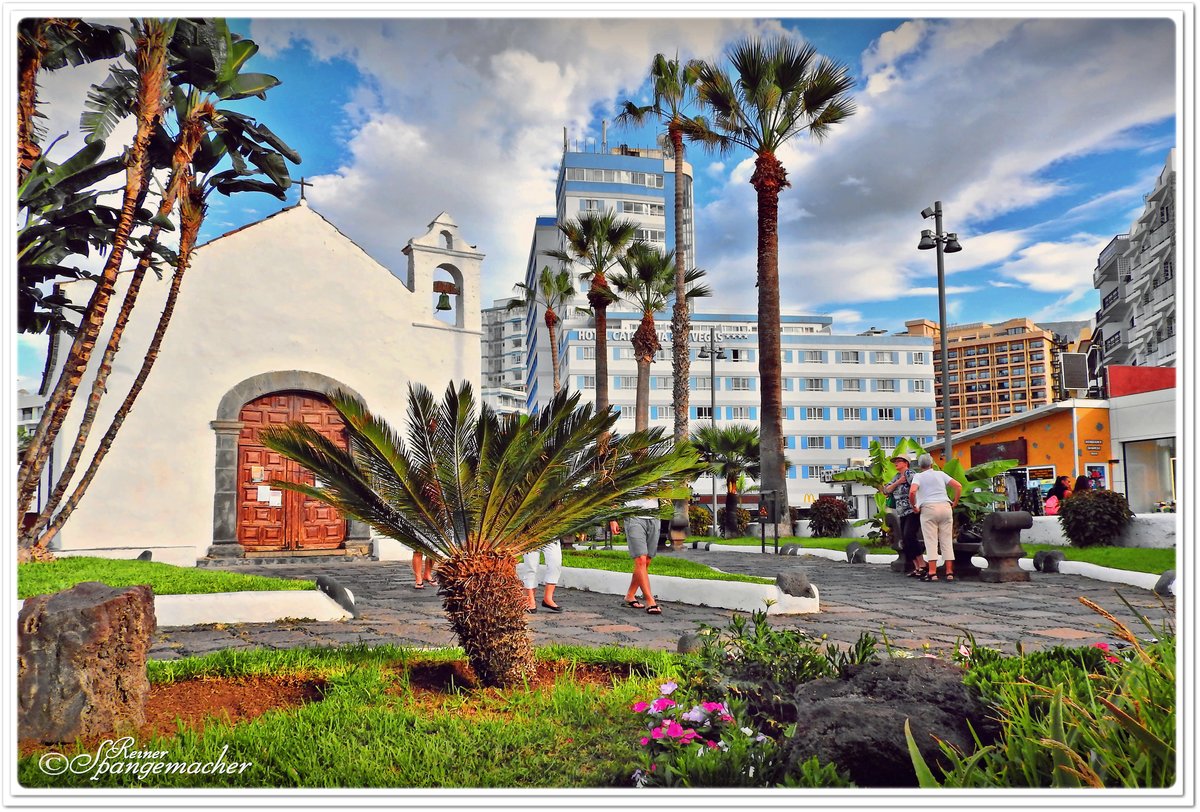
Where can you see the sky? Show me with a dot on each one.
(1038, 135)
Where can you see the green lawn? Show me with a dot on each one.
(165, 579)
(1136, 559)
(804, 541)
(663, 564)
(371, 729)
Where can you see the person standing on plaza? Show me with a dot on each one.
(422, 566)
(641, 535)
(935, 506)
(527, 571)
(910, 542)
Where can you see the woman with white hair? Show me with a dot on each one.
(933, 503)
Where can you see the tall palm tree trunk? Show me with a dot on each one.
(152, 71)
(680, 317)
(731, 508)
(551, 329)
(191, 218)
(598, 299)
(768, 179)
(29, 63)
(645, 345)
(485, 602)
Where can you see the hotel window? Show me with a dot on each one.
(1164, 214)
(703, 382)
(887, 414)
(814, 384)
(853, 413)
(816, 442)
(851, 385)
(885, 358)
(739, 355)
(888, 442)
(919, 358)
(739, 413)
(663, 382)
(588, 353)
(589, 381)
(588, 204)
(636, 207)
(704, 412)
(813, 357)
(651, 235)
(814, 413)
(885, 386)
(627, 381)
(920, 386)
(739, 384)
(854, 442)
(850, 357)
(814, 471)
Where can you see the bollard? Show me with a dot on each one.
(1002, 546)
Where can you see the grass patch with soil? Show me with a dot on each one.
(42, 578)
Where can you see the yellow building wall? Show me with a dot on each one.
(1051, 439)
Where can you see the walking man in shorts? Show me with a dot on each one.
(641, 534)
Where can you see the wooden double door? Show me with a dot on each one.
(272, 518)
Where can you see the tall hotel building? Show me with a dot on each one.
(840, 391)
(1135, 275)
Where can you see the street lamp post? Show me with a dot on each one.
(945, 243)
(712, 352)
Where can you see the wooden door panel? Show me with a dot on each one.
(298, 522)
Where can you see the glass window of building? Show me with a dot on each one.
(816, 442)
(814, 413)
(739, 413)
(589, 381)
(850, 357)
(888, 442)
(887, 413)
(920, 386)
(589, 204)
(886, 358)
(704, 413)
(851, 385)
(739, 384)
(703, 382)
(919, 358)
(814, 384)
(813, 357)
(627, 381)
(885, 386)
(854, 442)
(739, 355)
(852, 413)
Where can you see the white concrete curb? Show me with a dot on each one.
(1143, 580)
(736, 595)
(246, 607)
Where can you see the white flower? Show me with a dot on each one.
(748, 731)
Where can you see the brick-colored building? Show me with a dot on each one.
(995, 370)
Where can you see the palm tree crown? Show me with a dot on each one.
(551, 292)
(731, 453)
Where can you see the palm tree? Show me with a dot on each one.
(731, 452)
(551, 292)
(473, 489)
(205, 134)
(646, 279)
(673, 89)
(48, 43)
(782, 89)
(597, 242)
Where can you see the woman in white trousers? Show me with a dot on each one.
(527, 572)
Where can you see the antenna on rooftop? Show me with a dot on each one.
(604, 135)
(564, 139)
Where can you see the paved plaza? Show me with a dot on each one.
(855, 598)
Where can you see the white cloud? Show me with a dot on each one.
(1057, 266)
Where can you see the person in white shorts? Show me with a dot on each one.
(936, 507)
(527, 570)
(641, 534)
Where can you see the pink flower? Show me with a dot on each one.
(645, 741)
(713, 706)
(1101, 646)
(661, 704)
(712, 745)
(640, 707)
(657, 733)
(965, 650)
(1113, 659)
(725, 717)
(674, 729)
(653, 767)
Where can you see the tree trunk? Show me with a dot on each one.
(768, 179)
(30, 59)
(152, 70)
(192, 211)
(645, 345)
(680, 317)
(485, 602)
(731, 507)
(551, 325)
(599, 302)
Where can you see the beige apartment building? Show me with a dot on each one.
(995, 370)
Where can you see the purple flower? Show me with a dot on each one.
(696, 715)
(667, 688)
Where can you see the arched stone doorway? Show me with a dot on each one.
(247, 519)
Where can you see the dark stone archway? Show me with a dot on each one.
(227, 427)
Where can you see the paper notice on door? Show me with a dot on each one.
(276, 499)
(264, 493)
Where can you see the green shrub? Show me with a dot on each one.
(754, 662)
(827, 517)
(742, 516)
(699, 521)
(1094, 518)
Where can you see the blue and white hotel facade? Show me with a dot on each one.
(840, 391)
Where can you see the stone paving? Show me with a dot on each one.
(855, 598)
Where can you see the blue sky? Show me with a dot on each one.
(1039, 135)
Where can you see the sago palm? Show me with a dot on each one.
(473, 490)
(551, 292)
(597, 242)
(646, 280)
(731, 452)
(673, 91)
(782, 89)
